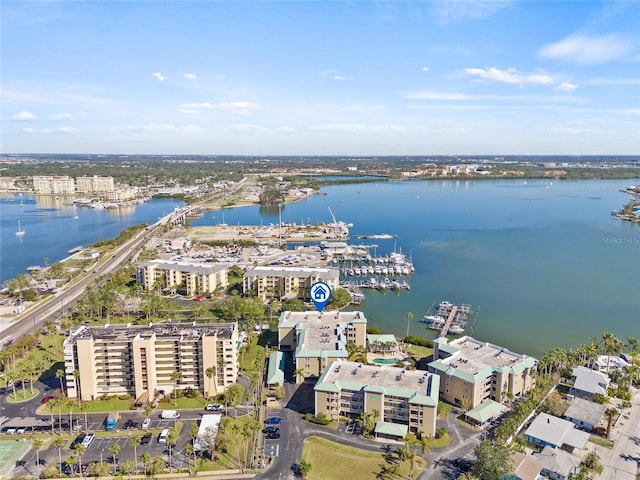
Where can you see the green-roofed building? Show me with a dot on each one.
(472, 372)
(393, 395)
(275, 372)
(485, 412)
(317, 339)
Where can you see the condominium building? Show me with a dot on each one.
(278, 282)
(399, 400)
(472, 372)
(317, 339)
(54, 185)
(192, 278)
(122, 194)
(95, 184)
(140, 360)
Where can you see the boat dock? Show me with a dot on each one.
(448, 318)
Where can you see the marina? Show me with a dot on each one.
(448, 318)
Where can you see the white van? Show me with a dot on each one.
(170, 414)
(163, 436)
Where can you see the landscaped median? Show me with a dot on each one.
(327, 459)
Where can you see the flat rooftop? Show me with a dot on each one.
(385, 379)
(472, 356)
(304, 272)
(179, 331)
(310, 320)
(190, 267)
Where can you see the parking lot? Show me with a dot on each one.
(351, 427)
(271, 447)
(161, 424)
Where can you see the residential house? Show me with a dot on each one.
(587, 383)
(584, 414)
(547, 430)
(557, 464)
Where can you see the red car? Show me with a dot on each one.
(199, 298)
(47, 398)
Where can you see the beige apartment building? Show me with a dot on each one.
(95, 184)
(317, 339)
(278, 282)
(193, 278)
(54, 185)
(140, 360)
(400, 400)
(472, 372)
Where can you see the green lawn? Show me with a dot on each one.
(22, 395)
(419, 351)
(330, 460)
(441, 442)
(247, 359)
(184, 402)
(97, 406)
(603, 442)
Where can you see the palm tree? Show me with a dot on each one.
(409, 317)
(174, 378)
(83, 408)
(210, 373)
(305, 468)
(135, 441)
(424, 445)
(172, 438)
(114, 449)
(70, 404)
(80, 449)
(36, 444)
(59, 442)
(299, 372)
(189, 451)
(146, 458)
(76, 377)
(70, 461)
(610, 344)
(633, 344)
(59, 376)
(46, 262)
(610, 412)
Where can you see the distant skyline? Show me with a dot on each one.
(320, 78)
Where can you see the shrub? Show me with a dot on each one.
(423, 342)
(124, 396)
(320, 419)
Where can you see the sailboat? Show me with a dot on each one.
(20, 232)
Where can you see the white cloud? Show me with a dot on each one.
(568, 131)
(452, 131)
(613, 81)
(286, 130)
(159, 76)
(238, 108)
(326, 72)
(566, 87)
(189, 111)
(165, 127)
(248, 127)
(429, 95)
(356, 128)
(338, 77)
(61, 130)
(28, 130)
(455, 10)
(24, 116)
(510, 75)
(355, 107)
(587, 50)
(425, 69)
(60, 116)
(190, 76)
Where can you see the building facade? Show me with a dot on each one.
(139, 360)
(192, 278)
(95, 184)
(472, 372)
(392, 395)
(54, 185)
(317, 339)
(278, 282)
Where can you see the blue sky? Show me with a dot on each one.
(321, 78)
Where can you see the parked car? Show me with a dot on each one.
(271, 430)
(146, 438)
(273, 421)
(169, 414)
(213, 408)
(78, 440)
(47, 398)
(129, 424)
(88, 440)
(273, 436)
(146, 423)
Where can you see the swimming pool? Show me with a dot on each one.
(385, 361)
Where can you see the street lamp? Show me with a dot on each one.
(101, 456)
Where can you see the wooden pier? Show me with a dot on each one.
(450, 319)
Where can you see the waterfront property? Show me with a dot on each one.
(141, 360)
(317, 339)
(54, 185)
(399, 400)
(586, 383)
(94, 184)
(547, 430)
(277, 282)
(472, 372)
(190, 278)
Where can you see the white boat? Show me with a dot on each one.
(456, 330)
(20, 232)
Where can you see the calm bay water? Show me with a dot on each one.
(545, 262)
(52, 228)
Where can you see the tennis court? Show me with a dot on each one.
(10, 452)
